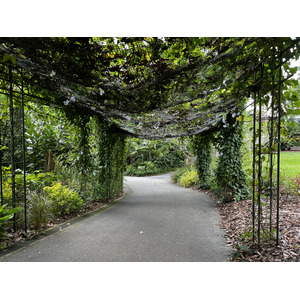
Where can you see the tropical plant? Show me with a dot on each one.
(146, 157)
(5, 215)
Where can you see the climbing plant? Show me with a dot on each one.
(230, 176)
(152, 88)
(111, 155)
(202, 149)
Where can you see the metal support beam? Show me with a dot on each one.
(259, 207)
(278, 153)
(271, 141)
(1, 186)
(24, 156)
(253, 163)
(12, 150)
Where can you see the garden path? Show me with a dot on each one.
(155, 221)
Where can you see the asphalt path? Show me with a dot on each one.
(155, 221)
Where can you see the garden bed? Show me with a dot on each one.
(236, 219)
(19, 236)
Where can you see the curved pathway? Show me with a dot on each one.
(155, 221)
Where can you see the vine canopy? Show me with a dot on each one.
(145, 87)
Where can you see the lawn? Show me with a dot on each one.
(290, 163)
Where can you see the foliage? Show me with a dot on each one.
(63, 201)
(148, 87)
(292, 135)
(5, 215)
(146, 157)
(202, 149)
(186, 176)
(230, 176)
(46, 136)
(111, 88)
(189, 179)
(179, 173)
(34, 182)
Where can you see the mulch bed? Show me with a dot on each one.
(236, 220)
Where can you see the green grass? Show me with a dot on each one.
(290, 163)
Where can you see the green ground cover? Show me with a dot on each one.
(290, 163)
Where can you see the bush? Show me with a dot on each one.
(189, 179)
(63, 201)
(177, 175)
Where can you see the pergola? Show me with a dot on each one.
(156, 88)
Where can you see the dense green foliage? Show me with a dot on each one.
(146, 157)
(292, 134)
(202, 149)
(230, 175)
(62, 200)
(148, 87)
(84, 154)
(85, 96)
(5, 215)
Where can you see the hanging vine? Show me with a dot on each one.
(110, 161)
(230, 175)
(202, 149)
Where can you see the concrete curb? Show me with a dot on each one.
(58, 228)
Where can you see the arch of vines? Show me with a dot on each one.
(151, 88)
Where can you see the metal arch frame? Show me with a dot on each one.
(256, 89)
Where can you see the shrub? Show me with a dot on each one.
(177, 175)
(189, 179)
(63, 201)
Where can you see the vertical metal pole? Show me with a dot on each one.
(1, 187)
(271, 141)
(11, 114)
(259, 165)
(278, 151)
(253, 162)
(24, 158)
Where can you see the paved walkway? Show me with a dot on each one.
(155, 221)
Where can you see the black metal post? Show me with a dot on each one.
(253, 161)
(1, 187)
(12, 150)
(24, 157)
(259, 166)
(271, 140)
(278, 152)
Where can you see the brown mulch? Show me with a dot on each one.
(236, 220)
